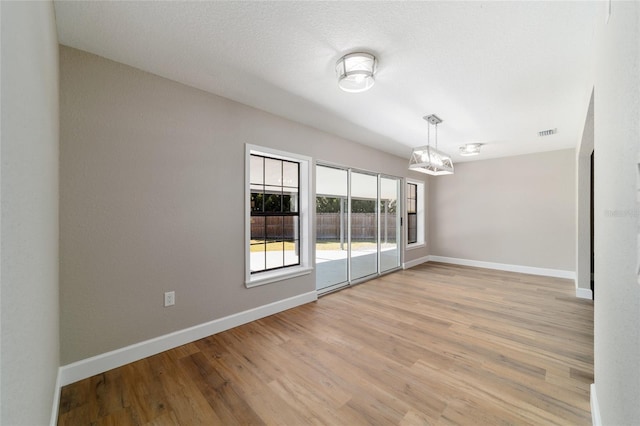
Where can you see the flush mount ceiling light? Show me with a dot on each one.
(355, 72)
(470, 149)
(426, 159)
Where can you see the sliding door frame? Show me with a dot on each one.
(400, 225)
(399, 230)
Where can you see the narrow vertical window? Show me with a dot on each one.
(415, 205)
(412, 213)
(275, 213)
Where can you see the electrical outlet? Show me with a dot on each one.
(169, 298)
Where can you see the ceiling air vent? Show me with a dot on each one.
(548, 132)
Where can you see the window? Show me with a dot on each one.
(415, 214)
(412, 213)
(277, 215)
(275, 218)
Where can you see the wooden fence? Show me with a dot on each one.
(276, 228)
(363, 227)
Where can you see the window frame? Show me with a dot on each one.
(304, 184)
(411, 187)
(268, 214)
(420, 214)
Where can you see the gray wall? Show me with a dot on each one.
(517, 210)
(152, 199)
(617, 214)
(29, 173)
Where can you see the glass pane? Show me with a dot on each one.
(389, 224)
(364, 186)
(291, 252)
(290, 174)
(388, 188)
(290, 200)
(257, 253)
(363, 219)
(273, 199)
(275, 251)
(331, 181)
(411, 206)
(290, 228)
(274, 228)
(412, 228)
(272, 172)
(257, 198)
(331, 227)
(256, 169)
(257, 228)
(412, 190)
(364, 225)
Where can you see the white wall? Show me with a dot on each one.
(583, 204)
(515, 211)
(152, 200)
(617, 214)
(29, 227)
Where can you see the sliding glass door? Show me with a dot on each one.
(331, 227)
(357, 226)
(389, 223)
(364, 225)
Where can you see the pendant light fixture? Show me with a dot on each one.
(355, 72)
(429, 160)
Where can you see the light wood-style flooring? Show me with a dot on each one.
(433, 345)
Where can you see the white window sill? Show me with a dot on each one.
(278, 275)
(415, 246)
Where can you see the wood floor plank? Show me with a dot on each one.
(436, 344)
(184, 398)
(145, 392)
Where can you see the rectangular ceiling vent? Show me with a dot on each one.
(548, 132)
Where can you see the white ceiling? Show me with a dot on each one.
(495, 72)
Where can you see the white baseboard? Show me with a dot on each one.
(595, 409)
(104, 362)
(557, 273)
(56, 401)
(415, 262)
(584, 293)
